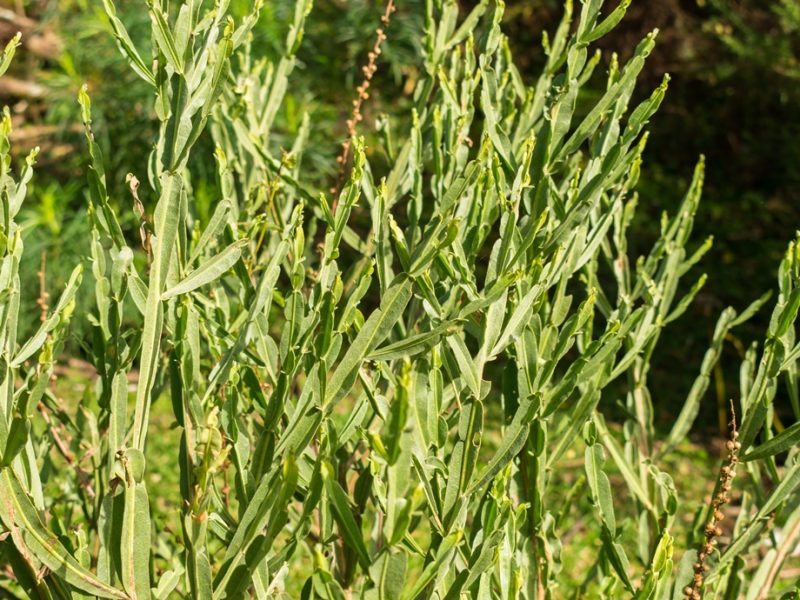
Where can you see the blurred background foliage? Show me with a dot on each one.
(734, 96)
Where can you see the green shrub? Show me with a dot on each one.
(377, 394)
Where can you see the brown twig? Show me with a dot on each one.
(712, 528)
(362, 94)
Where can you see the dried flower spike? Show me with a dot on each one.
(712, 529)
(362, 94)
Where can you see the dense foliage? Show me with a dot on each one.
(378, 391)
(732, 97)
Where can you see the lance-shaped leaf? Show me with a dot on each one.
(162, 34)
(785, 440)
(64, 303)
(372, 333)
(208, 271)
(600, 485)
(513, 440)
(415, 344)
(18, 513)
(135, 541)
(344, 517)
(443, 554)
(607, 24)
(126, 44)
(166, 225)
(467, 369)
(518, 320)
(8, 52)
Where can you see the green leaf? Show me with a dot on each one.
(785, 440)
(414, 344)
(684, 574)
(468, 370)
(628, 470)
(167, 583)
(600, 485)
(18, 434)
(126, 44)
(264, 289)
(468, 25)
(593, 119)
(135, 541)
(8, 52)
(64, 305)
(513, 441)
(215, 226)
(392, 575)
(518, 321)
(788, 313)
(208, 271)
(250, 525)
(442, 555)
(344, 517)
(17, 511)
(167, 222)
(162, 34)
(607, 24)
(372, 333)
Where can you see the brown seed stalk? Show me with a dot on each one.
(362, 94)
(712, 529)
